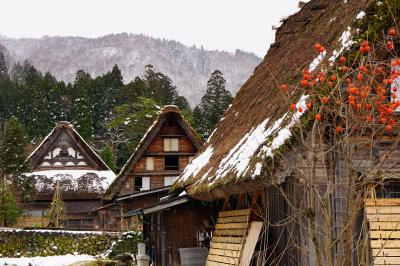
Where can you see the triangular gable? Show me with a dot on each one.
(64, 148)
(145, 142)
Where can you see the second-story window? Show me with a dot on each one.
(171, 162)
(149, 163)
(171, 144)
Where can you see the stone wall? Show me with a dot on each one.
(29, 243)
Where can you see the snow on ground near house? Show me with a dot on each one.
(62, 260)
(52, 231)
(45, 180)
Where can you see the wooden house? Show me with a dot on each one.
(258, 164)
(160, 157)
(65, 157)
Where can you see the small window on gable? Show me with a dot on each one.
(169, 180)
(171, 144)
(171, 162)
(149, 163)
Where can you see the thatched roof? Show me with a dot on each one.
(258, 122)
(145, 142)
(95, 161)
(78, 181)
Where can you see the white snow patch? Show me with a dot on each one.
(284, 133)
(346, 42)
(360, 15)
(62, 260)
(183, 193)
(257, 170)
(72, 179)
(314, 64)
(239, 157)
(379, 3)
(197, 164)
(9, 229)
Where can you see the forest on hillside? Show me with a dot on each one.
(110, 115)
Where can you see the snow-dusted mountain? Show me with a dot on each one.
(188, 67)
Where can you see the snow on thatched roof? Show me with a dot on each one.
(146, 141)
(258, 122)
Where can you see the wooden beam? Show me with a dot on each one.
(225, 252)
(231, 226)
(250, 243)
(234, 213)
(386, 225)
(384, 234)
(382, 209)
(241, 202)
(227, 260)
(383, 217)
(385, 243)
(215, 263)
(227, 239)
(237, 219)
(386, 260)
(382, 202)
(226, 246)
(231, 232)
(386, 252)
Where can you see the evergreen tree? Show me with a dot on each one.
(9, 210)
(107, 155)
(13, 152)
(214, 102)
(132, 120)
(182, 103)
(13, 157)
(198, 121)
(82, 111)
(57, 214)
(130, 92)
(3, 66)
(159, 87)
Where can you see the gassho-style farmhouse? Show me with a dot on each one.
(303, 169)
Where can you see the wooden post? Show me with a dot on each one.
(164, 240)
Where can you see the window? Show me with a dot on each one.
(171, 144)
(169, 180)
(149, 163)
(34, 213)
(142, 183)
(171, 162)
(389, 190)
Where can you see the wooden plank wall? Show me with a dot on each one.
(383, 216)
(228, 238)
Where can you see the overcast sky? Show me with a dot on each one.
(215, 24)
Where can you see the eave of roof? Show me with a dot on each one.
(143, 193)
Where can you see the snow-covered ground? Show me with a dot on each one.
(63, 260)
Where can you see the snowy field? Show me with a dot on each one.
(63, 260)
